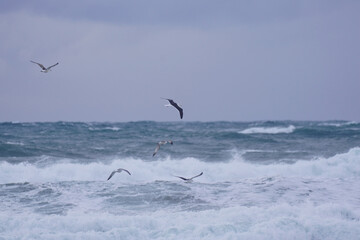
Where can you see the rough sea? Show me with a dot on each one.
(261, 180)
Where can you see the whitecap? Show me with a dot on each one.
(281, 221)
(15, 143)
(269, 130)
(343, 165)
(105, 128)
(337, 124)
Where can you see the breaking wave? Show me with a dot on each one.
(341, 165)
(281, 221)
(269, 130)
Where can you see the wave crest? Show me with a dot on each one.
(341, 165)
(278, 222)
(269, 130)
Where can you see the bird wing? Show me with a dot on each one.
(177, 107)
(42, 66)
(181, 112)
(197, 176)
(52, 66)
(185, 179)
(112, 174)
(122, 169)
(156, 149)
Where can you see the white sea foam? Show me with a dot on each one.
(336, 124)
(281, 221)
(269, 130)
(340, 166)
(15, 143)
(105, 128)
(112, 128)
(275, 210)
(263, 151)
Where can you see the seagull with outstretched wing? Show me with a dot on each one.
(189, 179)
(161, 143)
(118, 170)
(44, 69)
(175, 105)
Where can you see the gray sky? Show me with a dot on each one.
(221, 60)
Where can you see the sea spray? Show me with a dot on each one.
(261, 180)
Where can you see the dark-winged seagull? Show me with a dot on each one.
(190, 179)
(174, 104)
(44, 69)
(161, 143)
(118, 170)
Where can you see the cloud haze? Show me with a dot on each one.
(233, 60)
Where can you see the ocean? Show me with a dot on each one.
(261, 180)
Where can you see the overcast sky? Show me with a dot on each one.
(234, 60)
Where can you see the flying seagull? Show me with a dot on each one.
(118, 170)
(174, 104)
(190, 179)
(44, 69)
(161, 143)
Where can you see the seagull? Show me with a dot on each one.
(118, 170)
(190, 179)
(44, 69)
(161, 143)
(174, 104)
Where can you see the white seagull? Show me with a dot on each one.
(118, 170)
(161, 143)
(174, 104)
(190, 179)
(44, 69)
